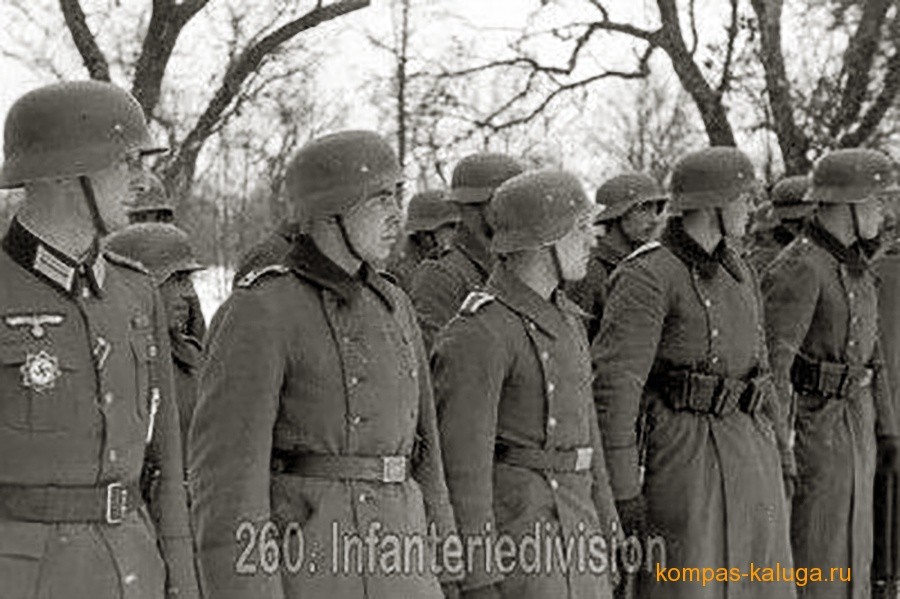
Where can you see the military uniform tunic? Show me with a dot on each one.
(516, 372)
(713, 484)
(821, 306)
(591, 291)
(82, 384)
(305, 358)
(440, 286)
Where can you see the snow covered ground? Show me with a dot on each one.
(213, 286)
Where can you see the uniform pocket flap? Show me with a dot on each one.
(23, 539)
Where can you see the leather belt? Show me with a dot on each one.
(384, 469)
(57, 504)
(545, 460)
(828, 379)
(685, 390)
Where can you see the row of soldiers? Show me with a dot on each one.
(737, 420)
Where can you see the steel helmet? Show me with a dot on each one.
(536, 209)
(429, 210)
(476, 177)
(623, 192)
(162, 248)
(851, 176)
(711, 178)
(71, 129)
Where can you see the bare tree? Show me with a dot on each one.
(168, 19)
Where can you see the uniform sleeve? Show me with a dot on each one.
(601, 491)
(790, 293)
(434, 293)
(885, 414)
(468, 365)
(230, 444)
(771, 407)
(623, 353)
(428, 466)
(168, 502)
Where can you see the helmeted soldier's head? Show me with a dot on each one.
(84, 134)
(151, 201)
(431, 220)
(545, 214)
(786, 207)
(633, 203)
(715, 184)
(348, 181)
(850, 185)
(165, 251)
(475, 179)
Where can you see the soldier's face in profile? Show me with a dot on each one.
(374, 226)
(642, 223)
(112, 192)
(870, 215)
(736, 216)
(574, 250)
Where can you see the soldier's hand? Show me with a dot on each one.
(633, 515)
(488, 592)
(889, 454)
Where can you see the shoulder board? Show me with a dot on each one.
(647, 247)
(254, 275)
(121, 260)
(474, 301)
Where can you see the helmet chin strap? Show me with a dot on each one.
(343, 229)
(100, 227)
(557, 264)
(855, 217)
(721, 222)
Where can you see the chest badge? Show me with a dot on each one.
(40, 371)
(35, 322)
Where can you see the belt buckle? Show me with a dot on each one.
(583, 458)
(116, 502)
(393, 469)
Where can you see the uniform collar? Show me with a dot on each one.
(308, 261)
(522, 299)
(854, 256)
(694, 256)
(473, 248)
(31, 253)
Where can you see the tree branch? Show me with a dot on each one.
(91, 54)
(887, 98)
(729, 52)
(181, 169)
(792, 141)
(167, 20)
(858, 60)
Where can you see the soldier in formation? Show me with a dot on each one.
(439, 286)
(633, 205)
(779, 221)
(151, 201)
(316, 411)
(165, 250)
(686, 409)
(822, 329)
(86, 391)
(511, 374)
(431, 221)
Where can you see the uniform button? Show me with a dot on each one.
(108, 397)
(852, 342)
(113, 456)
(850, 294)
(413, 374)
(353, 381)
(551, 387)
(554, 484)
(545, 356)
(715, 359)
(356, 420)
(707, 302)
(130, 578)
(153, 351)
(551, 422)
(363, 498)
(345, 339)
(714, 332)
(64, 539)
(85, 292)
